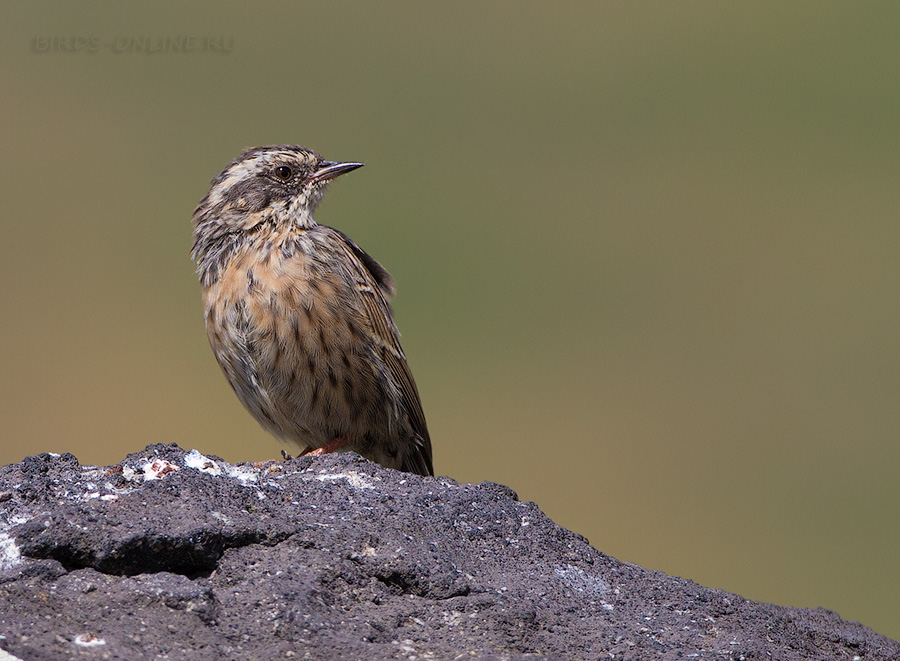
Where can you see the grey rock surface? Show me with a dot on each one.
(175, 555)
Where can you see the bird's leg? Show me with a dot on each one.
(335, 444)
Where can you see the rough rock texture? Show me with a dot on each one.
(176, 555)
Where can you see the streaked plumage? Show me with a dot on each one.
(298, 315)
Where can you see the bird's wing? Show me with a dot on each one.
(378, 273)
(375, 290)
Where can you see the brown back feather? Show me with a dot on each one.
(375, 294)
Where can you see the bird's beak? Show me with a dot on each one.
(328, 170)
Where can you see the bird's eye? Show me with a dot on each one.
(283, 172)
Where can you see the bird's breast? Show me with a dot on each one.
(292, 343)
(273, 308)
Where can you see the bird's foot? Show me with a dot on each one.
(287, 457)
(337, 443)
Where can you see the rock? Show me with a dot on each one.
(177, 555)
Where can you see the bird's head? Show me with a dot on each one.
(281, 184)
(278, 185)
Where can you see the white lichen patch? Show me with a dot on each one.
(353, 478)
(243, 473)
(199, 461)
(195, 459)
(157, 469)
(88, 640)
(6, 656)
(9, 552)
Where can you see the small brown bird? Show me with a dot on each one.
(298, 315)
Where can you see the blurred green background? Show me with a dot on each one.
(647, 253)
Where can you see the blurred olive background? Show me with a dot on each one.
(647, 253)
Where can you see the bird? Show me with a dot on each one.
(299, 316)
